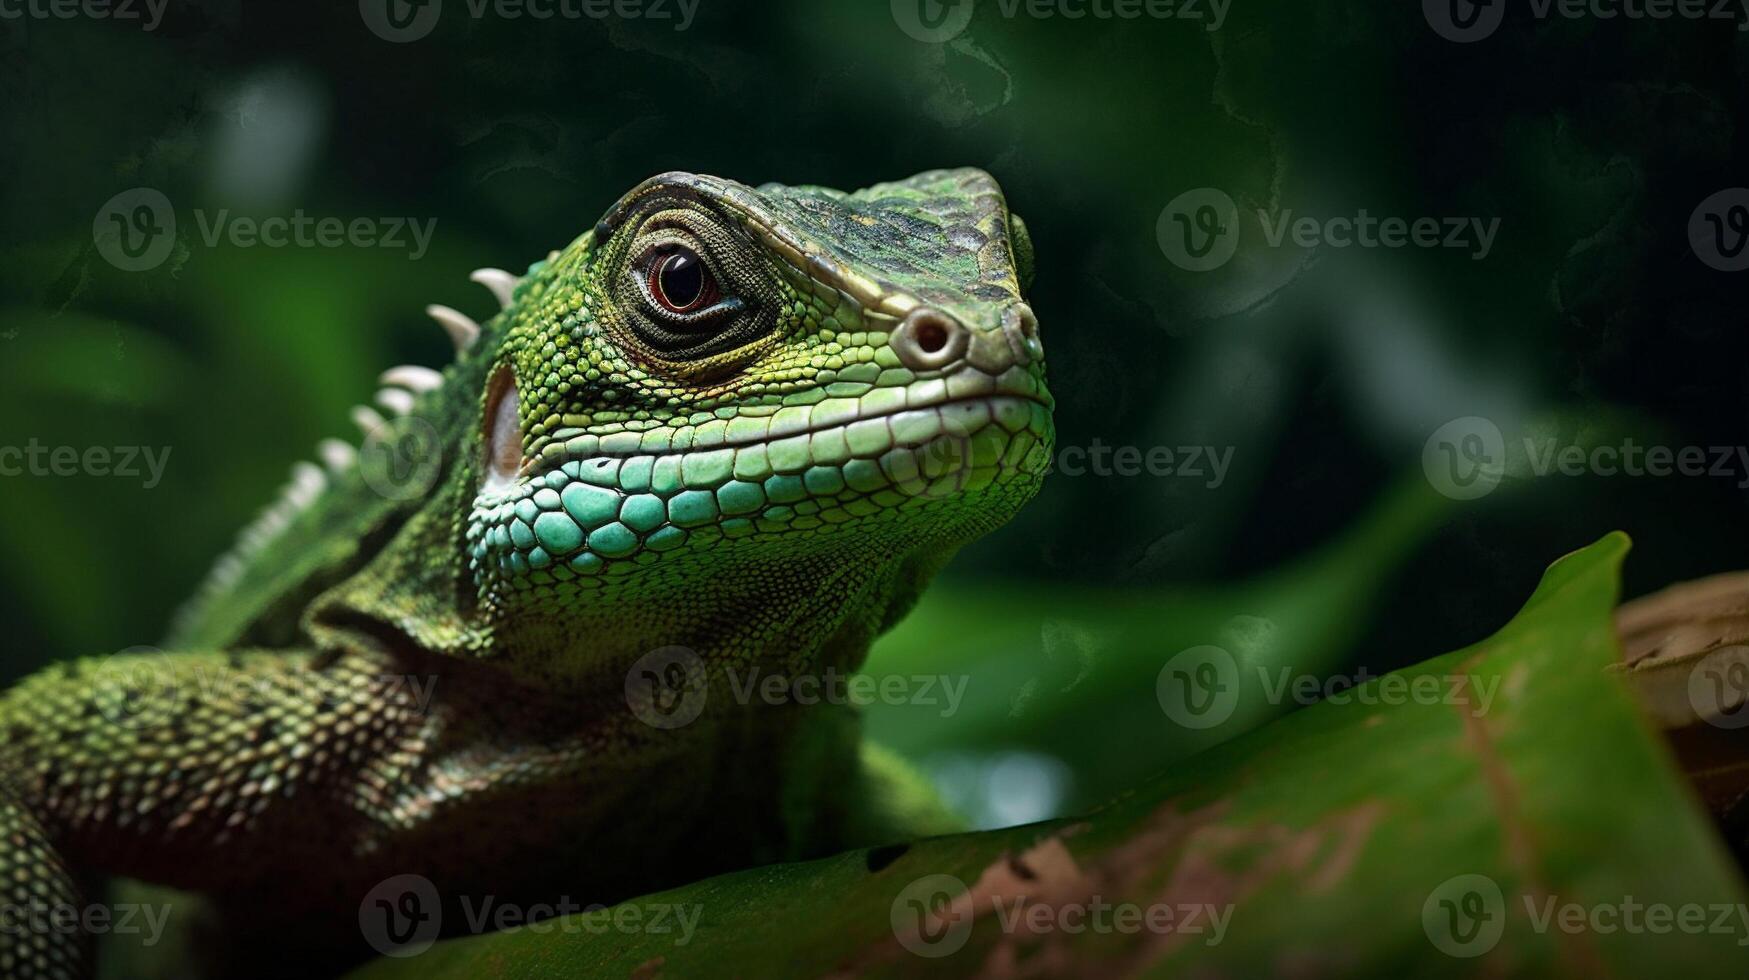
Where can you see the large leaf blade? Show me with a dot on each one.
(1332, 839)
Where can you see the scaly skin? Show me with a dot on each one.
(435, 657)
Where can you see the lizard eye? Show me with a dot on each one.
(691, 291)
(680, 282)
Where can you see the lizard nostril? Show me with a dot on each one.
(929, 339)
(930, 335)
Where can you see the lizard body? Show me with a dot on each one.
(728, 429)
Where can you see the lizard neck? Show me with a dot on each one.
(496, 758)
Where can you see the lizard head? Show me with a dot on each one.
(752, 422)
(783, 407)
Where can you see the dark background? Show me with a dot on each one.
(1592, 141)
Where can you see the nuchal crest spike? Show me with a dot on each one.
(501, 283)
(462, 330)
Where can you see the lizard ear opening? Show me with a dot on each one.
(503, 429)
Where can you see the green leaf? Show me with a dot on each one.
(1340, 840)
(1071, 672)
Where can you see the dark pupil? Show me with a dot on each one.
(682, 279)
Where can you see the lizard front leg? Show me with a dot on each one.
(202, 771)
(37, 893)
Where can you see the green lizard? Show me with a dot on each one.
(726, 429)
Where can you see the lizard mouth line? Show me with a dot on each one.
(557, 454)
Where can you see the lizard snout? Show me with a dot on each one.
(931, 339)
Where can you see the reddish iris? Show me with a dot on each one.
(680, 281)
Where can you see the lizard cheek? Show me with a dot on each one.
(503, 430)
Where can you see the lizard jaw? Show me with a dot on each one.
(603, 507)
